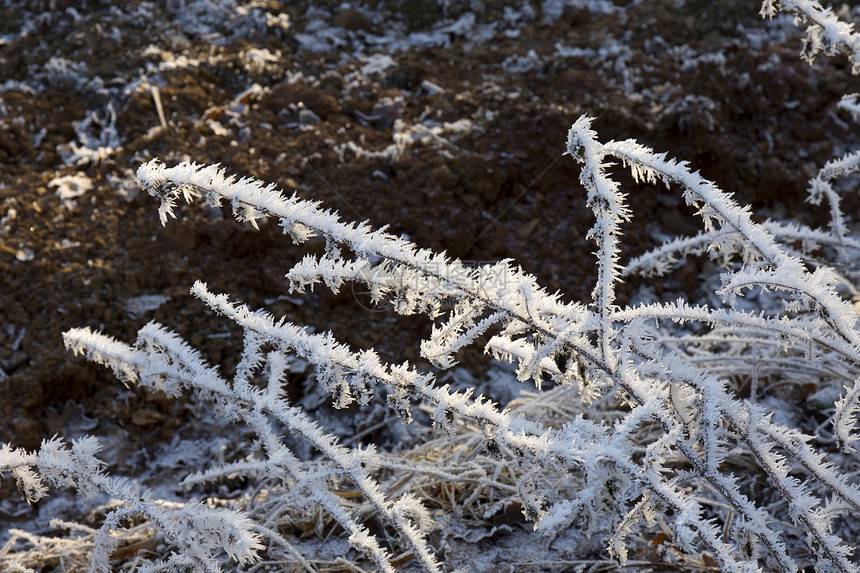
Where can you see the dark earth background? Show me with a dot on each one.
(708, 82)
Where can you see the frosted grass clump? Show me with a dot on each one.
(640, 441)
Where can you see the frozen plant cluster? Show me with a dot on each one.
(634, 435)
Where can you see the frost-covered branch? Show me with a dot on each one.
(698, 415)
(664, 414)
(162, 360)
(198, 531)
(821, 186)
(722, 244)
(825, 32)
(765, 265)
(851, 104)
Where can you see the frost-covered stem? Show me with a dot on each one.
(688, 512)
(509, 291)
(304, 219)
(827, 32)
(446, 475)
(661, 259)
(280, 540)
(318, 350)
(851, 104)
(838, 314)
(801, 505)
(539, 328)
(541, 446)
(822, 186)
(142, 367)
(748, 423)
(351, 463)
(782, 328)
(796, 446)
(708, 470)
(846, 417)
(199, 531)
(284, 461)
(625, 379)
(607, 203)
(714, 203)
(729, 317)
(702, 193)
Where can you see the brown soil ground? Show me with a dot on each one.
(681, 77)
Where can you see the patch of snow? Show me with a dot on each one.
(11, 215)
(524, 15)
(217, 128)
(439, 37)
(689, 105)
(515, 64)
(553, 9)
(614, 56)
(280, 21)
(258, 60)
(776, 30)
(717, 59)
(70, 187)
(25, 254)
(405, 136)
(180, 62)
(98, 139)
(16, 86)
(60, 72)
(66, 244)
(377, 64)
(562, 51)
(210, 20)
(142, 304)
(319, 37)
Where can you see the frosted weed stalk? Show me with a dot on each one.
(641, 432)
